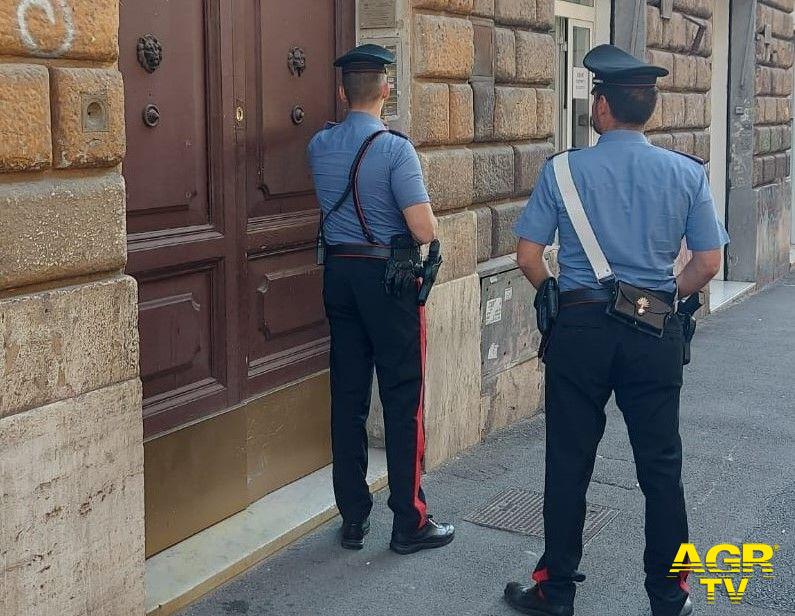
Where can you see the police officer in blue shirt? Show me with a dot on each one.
(640, 201)
(375, 212)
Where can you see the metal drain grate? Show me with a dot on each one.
(519, 511)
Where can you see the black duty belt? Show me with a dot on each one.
(358, 251)
(602, 296)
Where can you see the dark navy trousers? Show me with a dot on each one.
(370, 329)
(591, 355)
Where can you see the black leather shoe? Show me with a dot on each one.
(530, 600)
(353, 534)
(432, 535)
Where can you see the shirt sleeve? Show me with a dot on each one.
(408, 186)
(539, 219)
(703, 230)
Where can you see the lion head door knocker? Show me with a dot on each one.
(150, 52)
(643, 305)
(296, 61)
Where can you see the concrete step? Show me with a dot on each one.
(183, 573)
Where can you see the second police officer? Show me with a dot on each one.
(621, 209)
(375, 214)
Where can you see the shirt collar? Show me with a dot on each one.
(360, 117)
(623, 136)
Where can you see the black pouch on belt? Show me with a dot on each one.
(402, 266)
(547, 305)
(639, 308)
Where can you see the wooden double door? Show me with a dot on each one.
(222, 97)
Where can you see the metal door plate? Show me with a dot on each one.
(522, 512)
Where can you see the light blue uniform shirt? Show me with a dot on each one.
(390, 179)
(641, 201)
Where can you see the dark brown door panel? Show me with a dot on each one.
(169, 162)
(183, 357)
(287, 333)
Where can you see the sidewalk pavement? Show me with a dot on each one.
(738, 428)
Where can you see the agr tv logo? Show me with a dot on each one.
(722, 564)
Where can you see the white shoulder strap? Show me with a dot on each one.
(573, 204)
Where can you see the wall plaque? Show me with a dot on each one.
(377, 14)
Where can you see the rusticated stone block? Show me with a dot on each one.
(483, 221)
(78, 29)
(515, 394)
(453, 6)
(684, 142)
(65, 342)
(443, 47)
(762, 81)
(545, 15)
(653, 27)
(493, 172)
(61, 228)
(776, 133)
(462, 118)
(452, 400)
(24, 117)
(703, 73)
(73, 505)
(515, 12)
(694, 110)
(545, 114)
(655, 121)
(666, 60)
(87, 117)
(782, 165)
(674, 33)
(483, 39)
(757, 171)
(783, 110)
(528, 160)
(514, 113)
(761, 139)
(448, 175)
(701, 143)
(684, 72)
(483, 101)
(673, 109)
(535, 57)
(505, 54)
(458, 236)
(662, 140)
(483, 8)
(504, 215)
(430, 113)
(697, 8)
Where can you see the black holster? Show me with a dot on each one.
(402, 266)
(685, 311)
(428, 271)
(547, 305)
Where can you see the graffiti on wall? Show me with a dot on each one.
(56, 12)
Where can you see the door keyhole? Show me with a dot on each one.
(298, 115)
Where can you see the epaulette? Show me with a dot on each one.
(397, 133)
(700, 161)
(328, 125)
(561, 152)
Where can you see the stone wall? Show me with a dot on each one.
(482, 116)
(773, 136)
(683, 115)
(71, 507)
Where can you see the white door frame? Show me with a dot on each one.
(597, 19)
(718, 130)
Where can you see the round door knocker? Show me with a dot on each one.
(151, 116)
(150, 52)
(297, 115)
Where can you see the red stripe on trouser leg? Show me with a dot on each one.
(683, 581)
(542, 575)
(418, 417)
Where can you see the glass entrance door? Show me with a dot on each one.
(574, 96)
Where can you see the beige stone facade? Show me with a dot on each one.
(71, 509)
